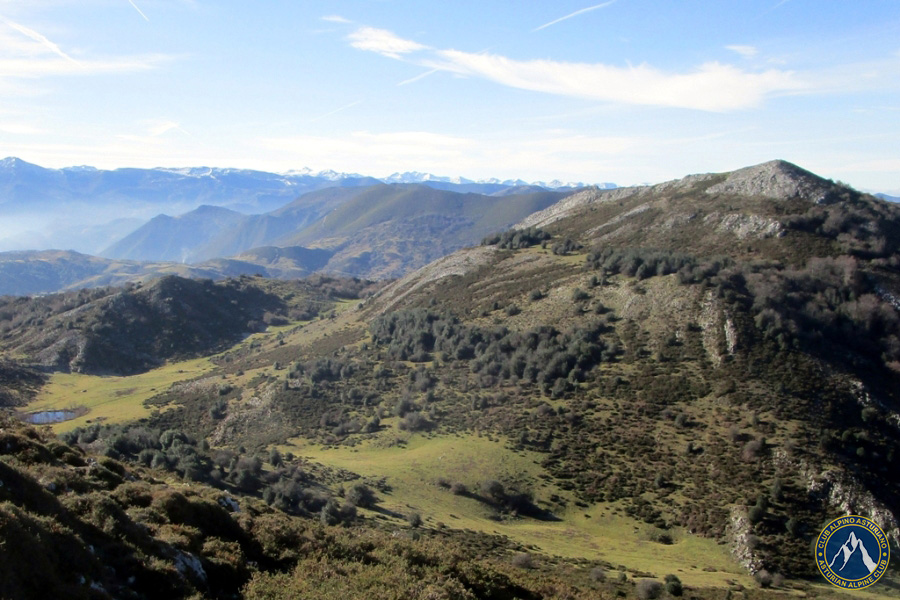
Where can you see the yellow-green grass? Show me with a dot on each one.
(599, 532)
(874, 592)
(270, 333)
(111, 399)
(116, 399)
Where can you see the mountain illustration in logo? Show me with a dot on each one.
(849, 548)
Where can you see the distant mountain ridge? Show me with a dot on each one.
(87, 209)
(46, 271)
(382, 230)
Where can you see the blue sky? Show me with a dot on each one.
(628, 91)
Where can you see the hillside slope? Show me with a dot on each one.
(378, 231)
(387, 230)
(166, 238)
(690, 378)
(122, 331)
(49, 271)
(750, 322)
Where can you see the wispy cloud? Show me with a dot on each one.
(34, 68)
(159, 128)
(745, 51)
(155, 132)
(140, 12)
(26, 54)
(574, 14)
(335, 111)
(418, 77)
(336, 19)
(383, 42)
(711, 86)
(40, 39)
(775, 7)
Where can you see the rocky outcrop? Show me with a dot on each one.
(776, 179)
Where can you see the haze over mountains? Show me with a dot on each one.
(87, 209)
(220, 222)
(207, 222)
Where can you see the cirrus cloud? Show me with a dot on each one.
(383, 42)
(711, 86)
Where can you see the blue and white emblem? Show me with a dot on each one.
(852, 552)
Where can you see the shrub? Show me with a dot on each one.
(763, 578)
(516, 238)
(756, 514)
(777, 489)
(579, 295)
(415, 421)
(792, 526)
(751, 450)
(414, 519)
(331, 513)
(459, 489)
(648, 589)
(523, 560)
(673, 585)
(598, 574)
(493, 489)
(361, 495)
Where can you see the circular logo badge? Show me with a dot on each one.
(852, 552)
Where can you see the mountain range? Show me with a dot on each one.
(87, 209)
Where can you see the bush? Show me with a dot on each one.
(459, 489)
(414, 519)
(763, 578)
(598, 574)
(523, 560)
(648, 589)
(334, 514)
(673, 585)
(493, 489)
(756, 514)
(415, 421)
(516, 238)
(361, 495)
(792, 526)
(752, 450)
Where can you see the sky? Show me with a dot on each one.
(623, 91)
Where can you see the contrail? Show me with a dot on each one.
(418, 77)
(574, 14)
(140, 12)
(337, 110)
(31, 33)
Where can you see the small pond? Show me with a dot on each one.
(47, 417)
